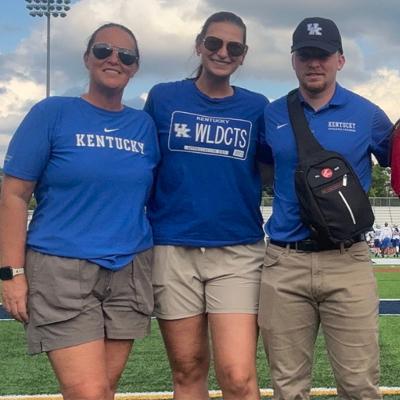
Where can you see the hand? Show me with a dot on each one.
(15, 297)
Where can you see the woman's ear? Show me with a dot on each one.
(244, 54)
(198, 51)
(85, 60)
(134, 70)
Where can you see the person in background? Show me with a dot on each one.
(377, 242)
(396, 241)
(205, 213)
(385, 239)
(80, 279)
(305, 283)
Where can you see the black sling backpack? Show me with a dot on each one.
(333, 203)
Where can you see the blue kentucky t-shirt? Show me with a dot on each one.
(207, 190)
(349, 124)
(94, 171)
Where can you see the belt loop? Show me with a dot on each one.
(342, 249)
(296, 246)
(287, 248)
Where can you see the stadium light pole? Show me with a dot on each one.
(48, 9)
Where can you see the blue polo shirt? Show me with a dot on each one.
(349, 124)
(208, 189)
(93, 170)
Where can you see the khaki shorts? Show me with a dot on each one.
(189, 281)
(73, 301)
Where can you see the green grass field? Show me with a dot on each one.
(148, 369)
(388, 285)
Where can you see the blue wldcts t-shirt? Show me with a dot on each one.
(208, 189)
(94, 171)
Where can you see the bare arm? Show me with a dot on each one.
(15, 196)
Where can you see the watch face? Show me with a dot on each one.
(6, 273)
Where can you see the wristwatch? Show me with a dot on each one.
(7, 273)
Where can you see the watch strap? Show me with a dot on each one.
(18, 271)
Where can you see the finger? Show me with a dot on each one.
(12, 309)
(23, 313)
(15, 312)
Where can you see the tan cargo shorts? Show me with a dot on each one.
(189, 281)
(73, 301)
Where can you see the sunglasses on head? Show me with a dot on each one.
(312, 53)
(103, 50)
(235, 49)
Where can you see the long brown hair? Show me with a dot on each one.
(221, 16)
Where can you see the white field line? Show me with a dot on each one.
(389, 299)
(169, 395)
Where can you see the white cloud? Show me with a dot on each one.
(384, 90)
(16, 94)
(143, 96)
(4, 140)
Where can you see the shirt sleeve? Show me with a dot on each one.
(29, 149)
(264, 152)
(381, 132)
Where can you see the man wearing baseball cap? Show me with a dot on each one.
(306, 284)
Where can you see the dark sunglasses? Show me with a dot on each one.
(307, 54)
(235, 49)
(103, 50)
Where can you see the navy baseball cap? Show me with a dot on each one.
(318, 32)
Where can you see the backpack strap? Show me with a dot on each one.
(306, 142)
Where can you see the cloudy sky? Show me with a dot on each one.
(166, 29)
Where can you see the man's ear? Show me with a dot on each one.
(342, 61)
(293, 61)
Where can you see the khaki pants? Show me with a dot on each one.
(335, 289)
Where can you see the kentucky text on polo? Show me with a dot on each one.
(111, 142)
(344, 126)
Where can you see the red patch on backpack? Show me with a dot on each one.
(326, 173)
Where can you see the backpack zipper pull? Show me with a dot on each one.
(345, 180)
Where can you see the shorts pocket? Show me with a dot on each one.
(143, 300)
(54, 288)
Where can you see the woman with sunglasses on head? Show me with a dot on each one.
(85, 293)
(205, 214)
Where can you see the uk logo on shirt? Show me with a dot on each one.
(210, 135)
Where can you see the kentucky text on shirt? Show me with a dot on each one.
(93, 140)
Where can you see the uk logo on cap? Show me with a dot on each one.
(321, 33)
(314, 29)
